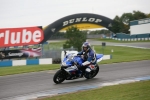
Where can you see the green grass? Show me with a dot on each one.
(117, 41)
(123, 54)
(25, 69)
(132, 91)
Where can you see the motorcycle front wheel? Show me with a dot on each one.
(59, 76)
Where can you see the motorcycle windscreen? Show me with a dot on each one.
(99, 57)
(67, 61)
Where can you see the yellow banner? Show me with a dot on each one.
(84, 26)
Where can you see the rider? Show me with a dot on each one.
(89, 55)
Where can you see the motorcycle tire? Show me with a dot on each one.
(95, 72)
(59, 76)
(92, 74)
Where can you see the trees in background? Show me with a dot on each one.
(74, 37)
(121, 24)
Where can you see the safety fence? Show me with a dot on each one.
(130, 39)
(25, 62)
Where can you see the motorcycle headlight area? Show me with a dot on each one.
(71, 68)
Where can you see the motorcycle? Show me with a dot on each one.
(70, 71)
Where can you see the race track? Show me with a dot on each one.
(134, 44)
(25, 84)
(22, 85)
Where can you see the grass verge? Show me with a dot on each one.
(26, 69)
(123, 54)
(120, 54)
(132, 91)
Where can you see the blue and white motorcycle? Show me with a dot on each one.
(70, 71)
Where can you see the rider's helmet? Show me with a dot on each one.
(86, 47)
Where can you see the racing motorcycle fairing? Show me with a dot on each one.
(99, 57)
(69, 69)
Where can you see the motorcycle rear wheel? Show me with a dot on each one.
(59, 76)
(92, 74)
(96, 71)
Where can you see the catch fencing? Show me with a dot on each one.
(46, 51)
(54, 53)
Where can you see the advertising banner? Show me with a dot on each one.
(22, 53)
(20, 36)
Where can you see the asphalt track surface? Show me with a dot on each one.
(24, 84)
(30, 83)
(132, 44)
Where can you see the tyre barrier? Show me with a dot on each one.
(57, 61)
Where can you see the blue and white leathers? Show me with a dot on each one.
(90, 57)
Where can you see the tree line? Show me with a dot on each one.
(121, 23)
